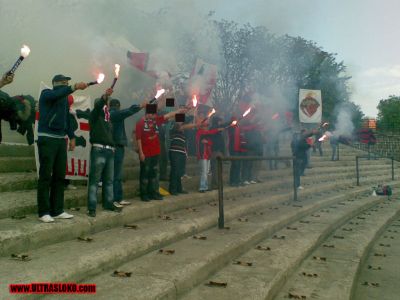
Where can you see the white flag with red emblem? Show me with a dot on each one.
(310, 106)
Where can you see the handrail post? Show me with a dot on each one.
(392, 167)
(338, 145)
(294, 179)
(221, 221)
(357, 172)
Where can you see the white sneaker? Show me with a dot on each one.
(100, 184)
(186, 176)
(116, 204)
(253, 182)
(300, 188)
(46, 219)
(64, 215)
(124, 202)
(246, 182)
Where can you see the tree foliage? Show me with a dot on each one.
(389, 114)
(253, 59)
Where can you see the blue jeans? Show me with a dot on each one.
(101, 168)
(118, 171)
(204, 169)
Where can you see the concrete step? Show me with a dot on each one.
(27, 164)
(27, 233)
(155, 276)
(16, 181)
(16, 151)
(17, 164)
(110, 248)
(383, 270)
(20, 203)
(336, 275)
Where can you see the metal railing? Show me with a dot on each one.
(221, 218)
(370, 157)
(387, 145)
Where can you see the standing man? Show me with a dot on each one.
(101, 156)
(299, 148)
(118, 117)
(54, 125)
(149, 149)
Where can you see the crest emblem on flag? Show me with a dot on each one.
(310, 106)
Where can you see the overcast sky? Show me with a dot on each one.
(363, 33)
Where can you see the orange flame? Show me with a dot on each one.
(25, 51)
(117, 67)
(211, 112)
(194, 101)
(247, 112)
(159, 93)
(322, 138)
(100, 78)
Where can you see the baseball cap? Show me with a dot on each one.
(60, 77)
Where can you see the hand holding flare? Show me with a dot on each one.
(24, 53)
(100, 79)
(235, 122)
(213, 111)
(158, 95)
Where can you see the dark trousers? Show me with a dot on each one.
(235, 171)
(178, 161)
(272, 148)
(300, 166)
(317, 145)
(148, 176)
(53, 162)
(118, 172)
(247, 167)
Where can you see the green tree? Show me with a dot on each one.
(389, 114)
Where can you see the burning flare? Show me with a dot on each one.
(159, 93)
(25, 51)
(275, 116)
(117, 67)
(247, 112)
(327, 135)
(194, 101)
(100, 78)
(211, 113)
(234, 123)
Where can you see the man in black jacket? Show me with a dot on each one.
(299, 147)
(54, 125)
(101, 156)
(118, 117)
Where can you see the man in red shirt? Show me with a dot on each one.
(148, 142)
